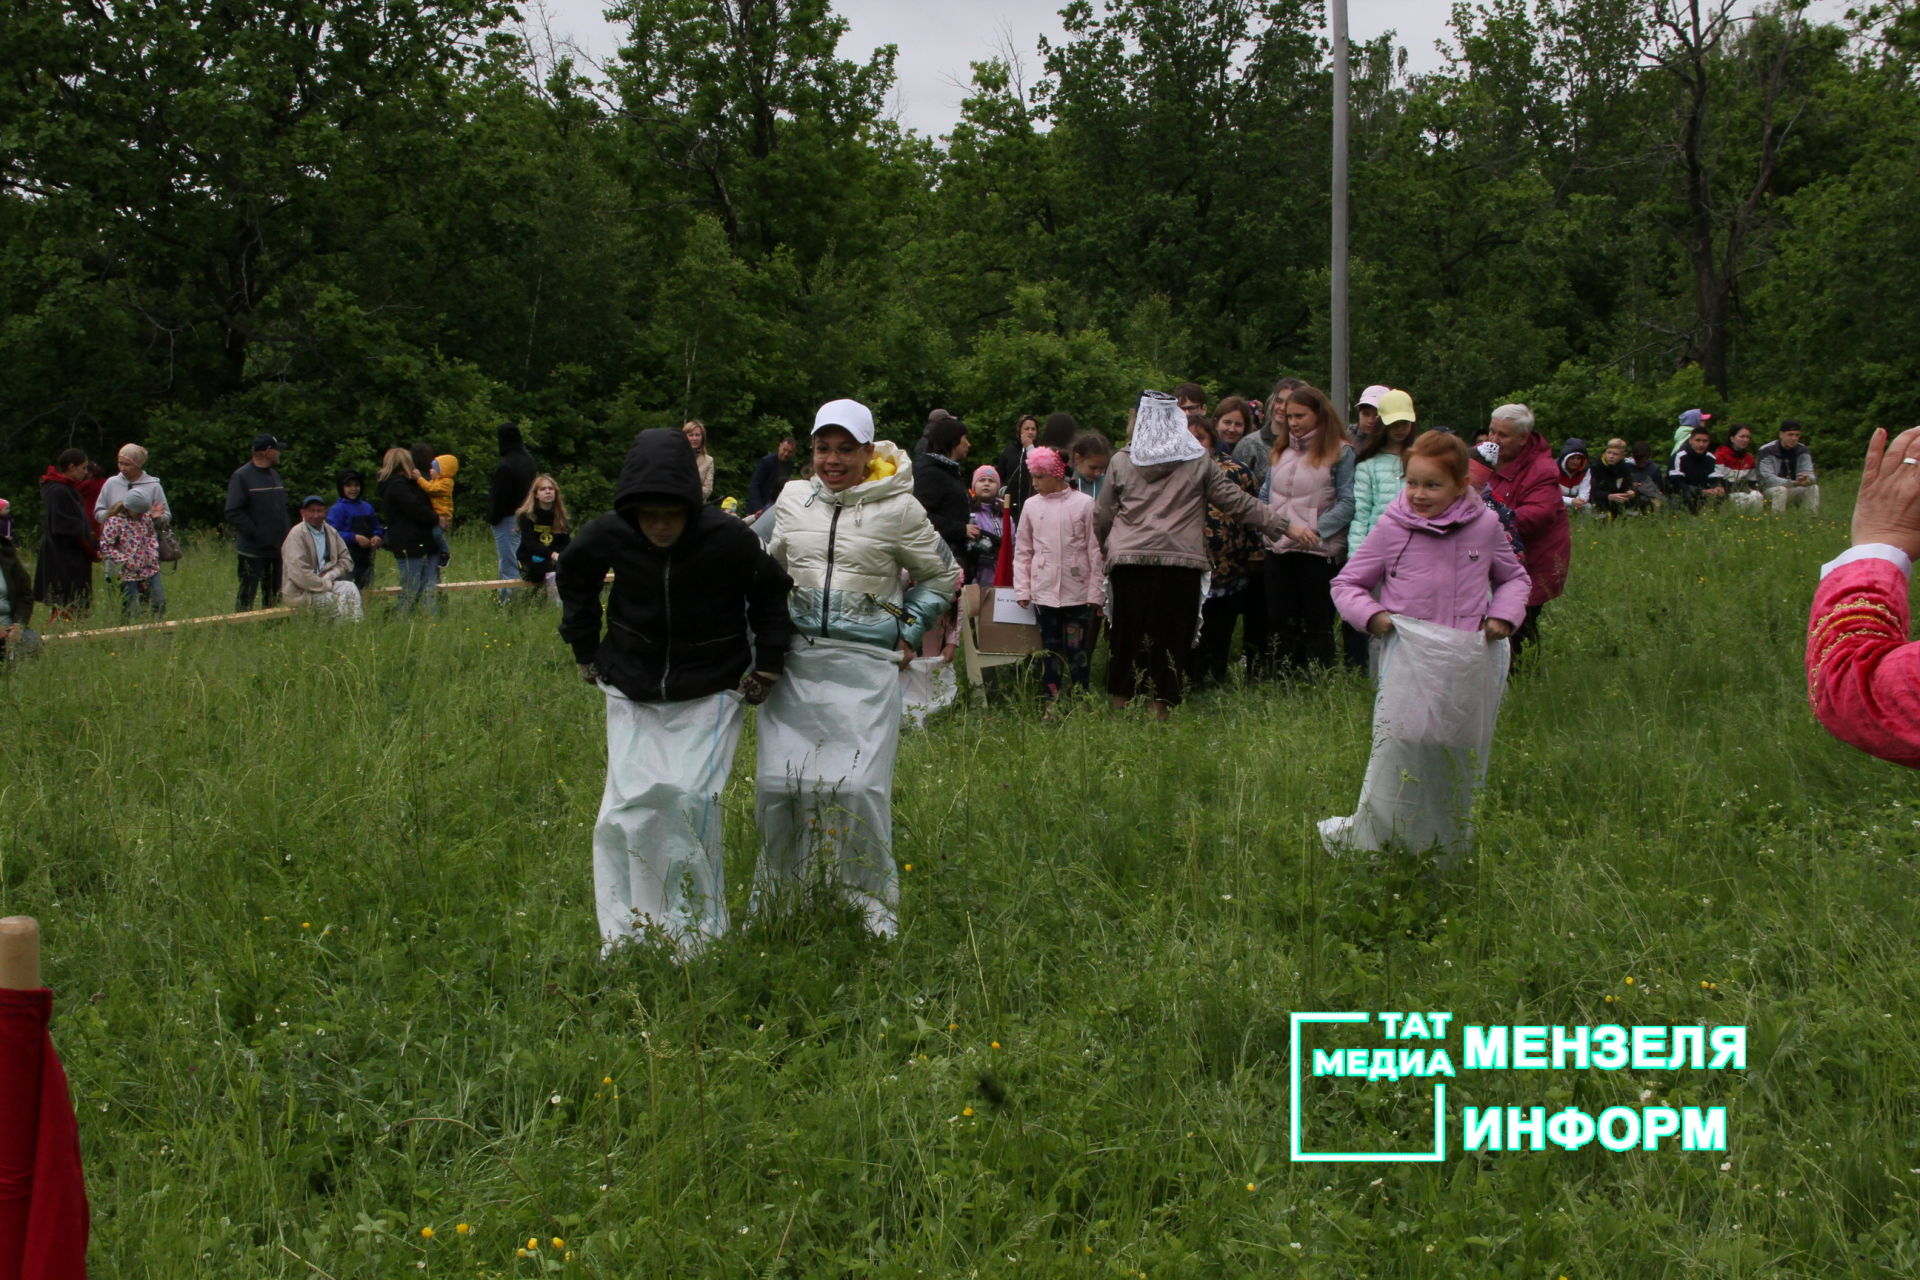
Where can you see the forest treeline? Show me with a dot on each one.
(376, 221)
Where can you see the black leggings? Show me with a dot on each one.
(1300, 609)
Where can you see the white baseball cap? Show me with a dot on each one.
(850, 415)
(1371, 396)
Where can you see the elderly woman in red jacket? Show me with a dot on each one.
(1863, 675)
(1527, 480)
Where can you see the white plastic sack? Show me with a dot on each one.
(1433, 720)
(926, 686)
(828, 735)
(657, 846)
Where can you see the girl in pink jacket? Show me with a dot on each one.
(1447, 575)
(1438, 554)
(1058, 570)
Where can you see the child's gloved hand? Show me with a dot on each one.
(755, 686)
(590, 673)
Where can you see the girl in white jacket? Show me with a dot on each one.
(830, 730)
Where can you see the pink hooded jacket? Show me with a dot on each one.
(1439, 569)
(1056, 552)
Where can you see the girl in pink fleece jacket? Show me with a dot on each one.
(1058, 570)
(1438, 554)
(1447, 575)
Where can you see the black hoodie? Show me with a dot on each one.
(679, 617)
(513, 475)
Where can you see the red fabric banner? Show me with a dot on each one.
(43, 1199)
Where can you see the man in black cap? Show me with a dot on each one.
(257, 510)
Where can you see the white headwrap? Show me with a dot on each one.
(1160, 432)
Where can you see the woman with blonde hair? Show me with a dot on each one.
(696, 433)
(544, 533)
(1310, 485)
(408, 513)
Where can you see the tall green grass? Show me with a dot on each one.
(318, 908)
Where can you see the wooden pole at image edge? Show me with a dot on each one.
(19, 953)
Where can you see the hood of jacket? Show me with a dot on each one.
(510, 439)
(53, 475)
(660, 465)
(889, 475)
(1573, 445)
(1154, 473)
(346, 476)
(1464, 510)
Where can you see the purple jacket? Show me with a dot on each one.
(1439, 570)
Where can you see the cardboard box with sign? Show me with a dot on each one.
(997, 623)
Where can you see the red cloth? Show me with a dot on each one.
(1003, 561)
(1863, 676)
(1530, 486)
(43, 1200)
(89, 490)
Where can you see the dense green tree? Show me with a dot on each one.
(385, 220)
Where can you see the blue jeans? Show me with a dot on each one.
(419, 584)
(506, 544)
(149, 594)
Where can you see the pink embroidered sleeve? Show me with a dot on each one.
(1863, 674)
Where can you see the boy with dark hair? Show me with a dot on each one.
(1192, 399)
(699, 627)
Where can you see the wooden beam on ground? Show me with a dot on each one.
(19, 954)
(257, 615)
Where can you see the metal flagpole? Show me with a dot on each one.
(1339, 389)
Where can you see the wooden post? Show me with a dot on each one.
(19, 953)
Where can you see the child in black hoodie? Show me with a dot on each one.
(698, 626)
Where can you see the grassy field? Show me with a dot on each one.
(318, 909)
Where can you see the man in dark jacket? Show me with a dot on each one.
(257, 510)
(939, 486)
(513, 479)
(770, 475)
(698, 625)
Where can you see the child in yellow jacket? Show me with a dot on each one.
(436, 478)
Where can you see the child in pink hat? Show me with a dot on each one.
(1058, 569)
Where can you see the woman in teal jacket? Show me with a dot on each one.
(1376, 482)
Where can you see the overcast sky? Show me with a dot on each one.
(938, 39)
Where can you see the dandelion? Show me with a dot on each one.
(994, 1045)
(606, 1079)
(953, 1026)
(532, 1244)
(966, 1111)
(909, 866)
(1629, 979)
(426, 1233)
(558, 1243)
(1253, 1186)
(461, 1229)
(306, 924)
(521, 1253)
